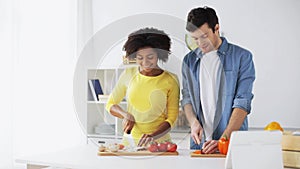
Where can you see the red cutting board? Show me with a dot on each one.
(215, 155)
(137, 153)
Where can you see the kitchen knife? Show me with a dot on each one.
(132, 146)
(131, 141)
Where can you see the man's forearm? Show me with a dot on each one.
(189, 113)
(236, 120)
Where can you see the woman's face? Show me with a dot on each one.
(147, 59)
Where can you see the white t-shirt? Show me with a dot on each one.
(210, 73)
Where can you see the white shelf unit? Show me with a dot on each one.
(96, 112)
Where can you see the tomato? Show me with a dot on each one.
(153, 147)
(121, 146)
(223, 144)
(162, 147)
(171, 147)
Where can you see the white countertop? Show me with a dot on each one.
(85, 157)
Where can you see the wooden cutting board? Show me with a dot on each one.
(216, 155)
(137, 153)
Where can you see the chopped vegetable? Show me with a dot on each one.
(197, 152)
(162, 147)
(153, 147)
(171, 147)
(121, 146)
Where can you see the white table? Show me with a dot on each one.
(85, 157)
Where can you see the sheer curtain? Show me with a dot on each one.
(6, 65)
(43, 61)
(84, 23)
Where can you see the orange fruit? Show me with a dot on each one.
(274, 126)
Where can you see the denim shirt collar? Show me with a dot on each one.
(198, 54)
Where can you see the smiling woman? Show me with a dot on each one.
(152, 93)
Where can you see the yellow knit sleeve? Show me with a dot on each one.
(119, 91)
(173, 100)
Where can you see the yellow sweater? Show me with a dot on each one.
(150, 99)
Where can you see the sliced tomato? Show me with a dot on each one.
(171, 147)
(121, 146)
(162, 147)
(153, 148)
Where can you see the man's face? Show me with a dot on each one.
(206, 39)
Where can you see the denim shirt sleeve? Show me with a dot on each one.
(185, 80)
(246, 77)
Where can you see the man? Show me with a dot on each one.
(217, 80)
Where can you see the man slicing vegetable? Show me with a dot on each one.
(217, 79)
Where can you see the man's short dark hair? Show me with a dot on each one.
(199, 16)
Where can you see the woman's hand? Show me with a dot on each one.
(162, 129)
(128, 123)
(145, 139)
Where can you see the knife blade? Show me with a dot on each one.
(132, 146)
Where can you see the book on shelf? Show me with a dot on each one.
(95, 89)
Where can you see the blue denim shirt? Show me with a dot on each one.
(238, 76)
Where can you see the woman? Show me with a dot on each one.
(152, 93)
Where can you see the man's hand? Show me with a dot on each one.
(128, 123)
(196, 131)
(210, 147)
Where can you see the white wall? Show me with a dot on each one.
(44, 118)
(267, 28)
(6, 65)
